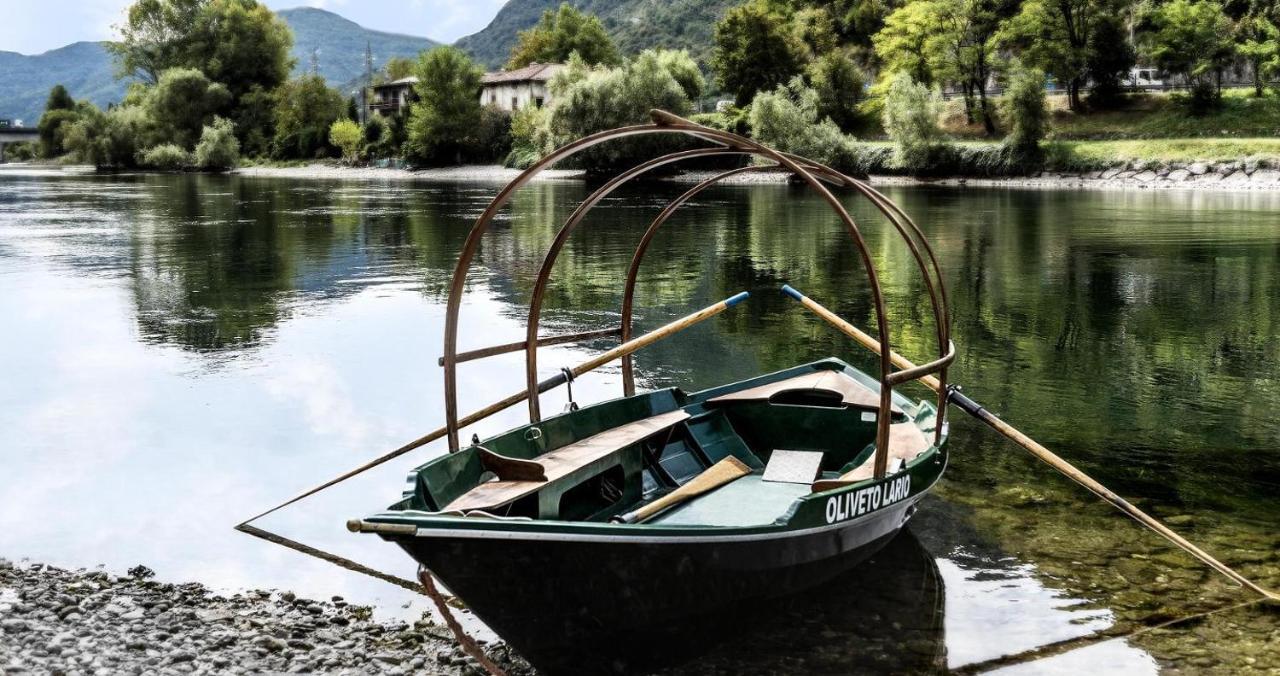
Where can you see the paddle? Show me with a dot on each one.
(1049, 457)
(714, 477)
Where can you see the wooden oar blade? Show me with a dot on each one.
(714, 477)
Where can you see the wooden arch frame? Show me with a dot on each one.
(814, 174)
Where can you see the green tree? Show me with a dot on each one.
(240, 43)
(397, 67)
(1258, 41)
(587, 100)
(1109, 67)
(182, 102)
(911, 113)
(903, 44)
(166, 156)
(109, 140)
(1057, 36)
(59, 114)
(443, 121)
(839, 84)
(684, 69)
(789, 119)
(756, 49)
(1191, 38)
(1024, 108)
(346, 136)
(59, 99)
(561, 33)
(305, 108)
(218, 149)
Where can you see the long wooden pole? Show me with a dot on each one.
(626, 348)
(1035, 448)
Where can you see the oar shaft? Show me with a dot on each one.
(857, 334)
(516, 397)
(1035, 448)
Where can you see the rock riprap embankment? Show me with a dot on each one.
(54, 621)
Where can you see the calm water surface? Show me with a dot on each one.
(182, 352)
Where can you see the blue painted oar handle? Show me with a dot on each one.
(787, 289)
(735, 299)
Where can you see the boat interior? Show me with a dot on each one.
(613, 457)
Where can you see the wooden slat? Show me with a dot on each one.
(851, 391)
(906, 441)
(564, 460)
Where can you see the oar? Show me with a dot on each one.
(1049, 457)
(714, 477)
(626, 348)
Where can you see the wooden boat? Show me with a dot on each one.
(574, 532)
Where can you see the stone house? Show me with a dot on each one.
(512, 90)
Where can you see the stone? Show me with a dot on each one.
(1265, 176)
(1111, 173)
(1178, 175)
(1198, 168)
(1145, 176)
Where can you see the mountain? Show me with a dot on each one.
(341, 44)
(634, 25)
(88, 72)
(84, 68)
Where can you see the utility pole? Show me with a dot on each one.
(368, 82)
(315, 61)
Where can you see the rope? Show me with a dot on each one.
(468, 644)
(568, 386)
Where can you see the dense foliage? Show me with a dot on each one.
(442, 123)
(1024, 108)
(561, 33)
(789, 119)
(756, 50)
(911, 112)
(305, 109)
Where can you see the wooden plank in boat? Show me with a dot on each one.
(906, 441)
(561, 462)
(851, 392)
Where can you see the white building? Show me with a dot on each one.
(393, 98)
(512, 90)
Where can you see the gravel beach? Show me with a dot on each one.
(55, 621)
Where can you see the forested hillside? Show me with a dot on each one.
(634, 25)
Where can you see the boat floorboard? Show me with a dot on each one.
(748, 501)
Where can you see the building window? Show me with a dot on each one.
(515, 103)
(537, 102)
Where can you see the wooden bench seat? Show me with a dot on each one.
(564, 461)
(837, 383)
(906, 441)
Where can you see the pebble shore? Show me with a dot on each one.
(55, 621)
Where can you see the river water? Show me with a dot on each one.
(180, 352)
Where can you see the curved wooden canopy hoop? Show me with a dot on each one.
(553, 252)
(821, 171)
(666, 123)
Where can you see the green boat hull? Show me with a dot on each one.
(568, 593)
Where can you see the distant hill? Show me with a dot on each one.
(341, 43)
(84, 68)
(634, 24)
(88, 72)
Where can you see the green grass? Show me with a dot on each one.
(1149, 116)
(1172, 149)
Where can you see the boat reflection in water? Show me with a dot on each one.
(884, 616)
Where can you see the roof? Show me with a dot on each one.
(402, 82)
(534, 72)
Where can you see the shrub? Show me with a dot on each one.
(218, 149)
(684, 69)
(346, 136)
(109, 140)
(182, 102)
(588, 100)
(53, 127)
(442, 123)
(166, 156)
(528, 137)
(787, 119)
(379, 137)
(22, 152)
(911, 113)
(1024, 107)
(305, 109)
(493, 135)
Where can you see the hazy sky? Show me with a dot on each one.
(34, 26)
